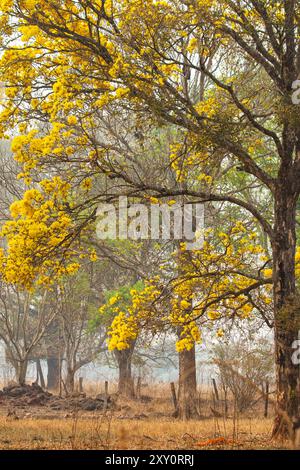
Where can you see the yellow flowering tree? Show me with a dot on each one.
(221, 72)
(123, 331)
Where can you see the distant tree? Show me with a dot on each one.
(24, 319)
(244, 366)
(116, 312)
(82, 345)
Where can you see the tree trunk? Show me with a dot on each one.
(187, 394)
(124, 358)
(70, 380)
(53, 373)
(21, 371)
(285, 309)
(40, 375)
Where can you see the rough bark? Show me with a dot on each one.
(21, 371)
(285, 309)
(53, 373)
(187, 394)
(70, 380)
(124, 359)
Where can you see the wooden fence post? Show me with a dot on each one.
(80, 384)
(138, 387)
(266, 400)
(173, 391)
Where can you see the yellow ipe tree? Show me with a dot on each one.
(226, 278)
(219, 72)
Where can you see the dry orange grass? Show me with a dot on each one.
(109, 432)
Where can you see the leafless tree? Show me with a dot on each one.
(24, 320)
(82, 344)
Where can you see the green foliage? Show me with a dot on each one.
(120, 298)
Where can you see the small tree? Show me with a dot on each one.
(82, 344)
(24, 319)
(122, 332)
(242, 367)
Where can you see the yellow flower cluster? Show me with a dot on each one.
(39, 227)
(122, 332)
(189, 161)
(124, 327)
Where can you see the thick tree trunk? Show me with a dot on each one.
(187, 394)
(286, 310)
(126, 385)
(21, 371)
(70, 380)
(53, 373)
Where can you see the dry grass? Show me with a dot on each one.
(135, 424)
(109, 432)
